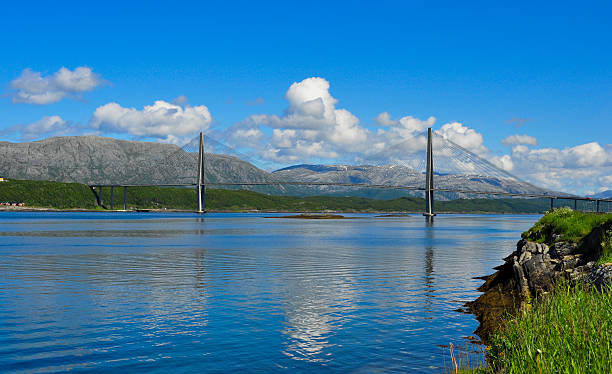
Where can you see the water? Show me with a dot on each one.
(132, 292)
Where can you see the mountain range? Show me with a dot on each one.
(96, 160)
(607, 194)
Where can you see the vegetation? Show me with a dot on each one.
(78, 196)
(47, 194)
(572, 226)
(565, 332)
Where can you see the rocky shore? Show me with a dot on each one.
(534, 269)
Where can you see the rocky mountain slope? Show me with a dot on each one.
(99, 160)
(398, 175)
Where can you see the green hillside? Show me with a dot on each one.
(77, 196)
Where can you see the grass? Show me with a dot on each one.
(606, 244)
(573, 226)
(568, 331)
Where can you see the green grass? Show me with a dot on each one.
(572, 225)
(47, 194)
(568, 331)
(606, 244)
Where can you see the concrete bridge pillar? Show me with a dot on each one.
(201, 188)
(429, 184)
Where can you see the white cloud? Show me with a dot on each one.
(312, 126)
(504, 162)
(47, 125)
(464, 137)
(519, 139)
(585, 155)
(384, 119)
(33, 88)
(161, 120)
(574, 169)
(606, 180)
(314, 129)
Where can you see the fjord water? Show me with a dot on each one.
(145, 292)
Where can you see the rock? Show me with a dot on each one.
(560, 249)
(534, 269)
(601, 275)
(539, 271)
(519, 276)
(570, 262)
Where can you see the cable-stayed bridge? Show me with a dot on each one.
(427, 165)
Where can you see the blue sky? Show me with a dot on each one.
(496, 68)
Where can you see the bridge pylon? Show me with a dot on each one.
(429, 185)
(201, 187)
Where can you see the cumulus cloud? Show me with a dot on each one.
(161, 120)
(311, 126)
(384, 119)
(503, 162)
(45, 127)
(464, 137)
(519, 139)
(403, 128)
(32, 87)
(313, 129)
(575, 169)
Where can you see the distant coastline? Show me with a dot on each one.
(58, 196)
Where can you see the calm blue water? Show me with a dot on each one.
(131, 292)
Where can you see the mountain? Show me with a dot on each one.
(607, 194)
(398, 175)
(95, 160)
(99, 160)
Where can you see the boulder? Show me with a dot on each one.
(601, 275)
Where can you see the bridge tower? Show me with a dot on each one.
(429, 185)
(201, 187)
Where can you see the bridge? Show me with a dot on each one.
(429, 165)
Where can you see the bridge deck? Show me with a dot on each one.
(380, 186)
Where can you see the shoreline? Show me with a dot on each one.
(170, 210)
(560, 274)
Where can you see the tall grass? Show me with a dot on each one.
(569, 331)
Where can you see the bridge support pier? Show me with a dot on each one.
(112, 197)
(597, 202)
(575, 204)
(125, 198)
(552, 203)
(201, 188)
(429, 185)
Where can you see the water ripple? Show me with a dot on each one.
(235, 292)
